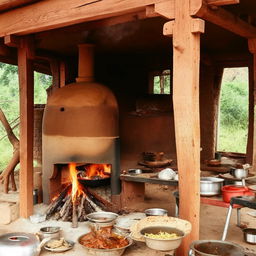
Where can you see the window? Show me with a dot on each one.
(160, 82)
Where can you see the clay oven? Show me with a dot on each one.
(80, 125)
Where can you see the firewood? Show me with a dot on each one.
(65, 205)
(57, 202)
(81, 207)
(74, 216)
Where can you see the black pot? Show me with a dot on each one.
(94, 183)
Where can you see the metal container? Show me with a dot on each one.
(210, 186)
(162, 244)
(215, 247)
(51, 232)
(134, 171)
(105, 252)
(250, 235)
(102, 219)
(21, 244)
(156, 212)
(239, 173)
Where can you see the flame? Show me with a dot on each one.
(101, 170)
(77, 189)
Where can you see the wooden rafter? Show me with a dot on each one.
(224, 19)
(51, 14)
(9, 4)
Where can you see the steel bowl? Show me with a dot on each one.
(101, 219)
(105, 252)
(210, 186)
(250, 235)
(51, 232)
(162, 244)
(156, 212)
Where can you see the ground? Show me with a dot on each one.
(212, 221)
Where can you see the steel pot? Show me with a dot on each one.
(250, 235)
(99, 220)
(21, 244)
(51, 232)
(210, 186)
(215, 247)
(239, 173)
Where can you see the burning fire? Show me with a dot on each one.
(77, 189)
(98, 170)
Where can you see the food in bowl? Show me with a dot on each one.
(161, 235)
(60, 244)
(103, 239)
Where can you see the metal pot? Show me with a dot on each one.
(239, 173)
(215, 247)
(20, 244)
(156, 212)
(51, 232)
(210, 186)
(101, 219)
(250, 235)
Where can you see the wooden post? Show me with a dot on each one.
(186, 59)
(26, 84)
(252, 48)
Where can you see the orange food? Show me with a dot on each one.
(103, 239)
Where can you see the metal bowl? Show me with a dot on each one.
(162, 244)
(105, 252)
(156, 212)
(101, 219)
(250, 235)
(210, 186)
(51, 232)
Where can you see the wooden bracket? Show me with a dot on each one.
(164, 9)
(168, 28)
(252, 45)
(12, 41)
(198, 26)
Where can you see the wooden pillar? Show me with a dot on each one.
(186, 58)
(252, 48)
(26, 85)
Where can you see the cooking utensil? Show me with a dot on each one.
(250, 235)
(51, 232)
(162, 244)
(215, 247)
(156, 212)
(71, 243)
(102, 219)
(239, 173)
(210, 186)
(94, 183)
(230, 191)
(21, 244)
(105, 252)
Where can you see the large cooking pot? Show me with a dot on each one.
(215, 247)
(210, 186)
(20, 244)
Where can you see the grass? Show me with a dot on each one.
(232, 139)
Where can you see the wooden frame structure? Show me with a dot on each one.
(185, 23)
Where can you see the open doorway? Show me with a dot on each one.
(233, 111)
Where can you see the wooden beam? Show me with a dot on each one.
(52, 14)
(252, 49)
(63, 73)
(164, 9)
(9, 4)
(222, 2)
(26, 85)
(186, 60)
(224, 19)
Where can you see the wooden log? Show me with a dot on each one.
(186, 59)
(26, 85)
(74, 216)
(222, 2)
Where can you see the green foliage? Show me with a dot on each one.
(166, 82)
(234, 111)
(9, 102)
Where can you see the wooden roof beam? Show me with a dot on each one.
(223, 18)
(52, 14)
(222, 2)
(10, 4)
